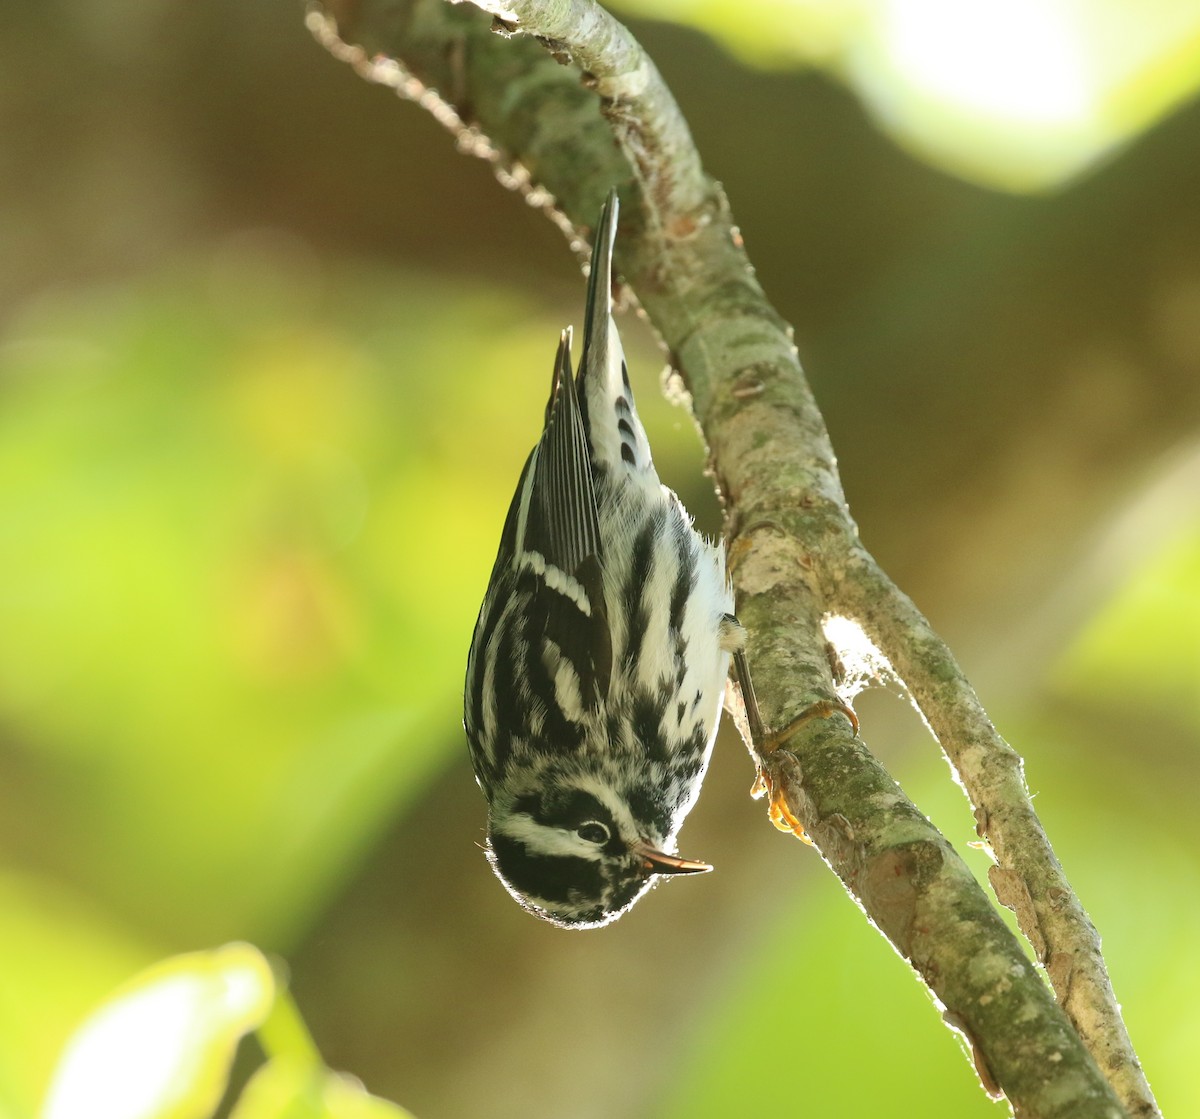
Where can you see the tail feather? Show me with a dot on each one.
(617, 438)
(598, 308)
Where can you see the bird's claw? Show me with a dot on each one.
(778, 811)
(822, 709)
(765, 743)
(767, 783)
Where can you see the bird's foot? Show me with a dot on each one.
(768, 781)
(822, 709)
(766, 743)
(778, 811)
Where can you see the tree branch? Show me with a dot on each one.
(1027, 876)
(795, 553)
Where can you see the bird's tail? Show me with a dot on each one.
(617, 438)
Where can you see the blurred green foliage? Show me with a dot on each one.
(229, 569)
(163, 1047)
(238, 522)
(1146, 641)
(261, 413)
(1022, 96)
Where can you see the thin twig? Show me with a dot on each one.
(1027, 877)
(796, 554)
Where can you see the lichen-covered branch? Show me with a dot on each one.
(643, 116)
(1027, 877)
(566, 110)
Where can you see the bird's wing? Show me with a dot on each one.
(556, 537)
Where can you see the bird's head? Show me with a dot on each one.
(573, 851)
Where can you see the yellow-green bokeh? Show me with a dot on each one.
(252, 476)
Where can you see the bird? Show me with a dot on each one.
(600, 655)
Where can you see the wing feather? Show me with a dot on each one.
(557, 533)
(564, 522)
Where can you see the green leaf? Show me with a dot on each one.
(162, 1047)
(284, 1089)
(71, 955)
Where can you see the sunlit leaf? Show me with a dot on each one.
(71, 955)
(285, 1090)
(162, 1047)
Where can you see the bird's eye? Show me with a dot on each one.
(592, 832)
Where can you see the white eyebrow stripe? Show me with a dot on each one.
(546, 840)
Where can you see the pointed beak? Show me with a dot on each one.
(659, 862)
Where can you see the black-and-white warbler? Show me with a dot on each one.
(599, 659)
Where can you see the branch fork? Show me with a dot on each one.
(566, 137)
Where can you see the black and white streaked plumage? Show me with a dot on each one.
(599, 658)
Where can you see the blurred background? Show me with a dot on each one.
(271, 356)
